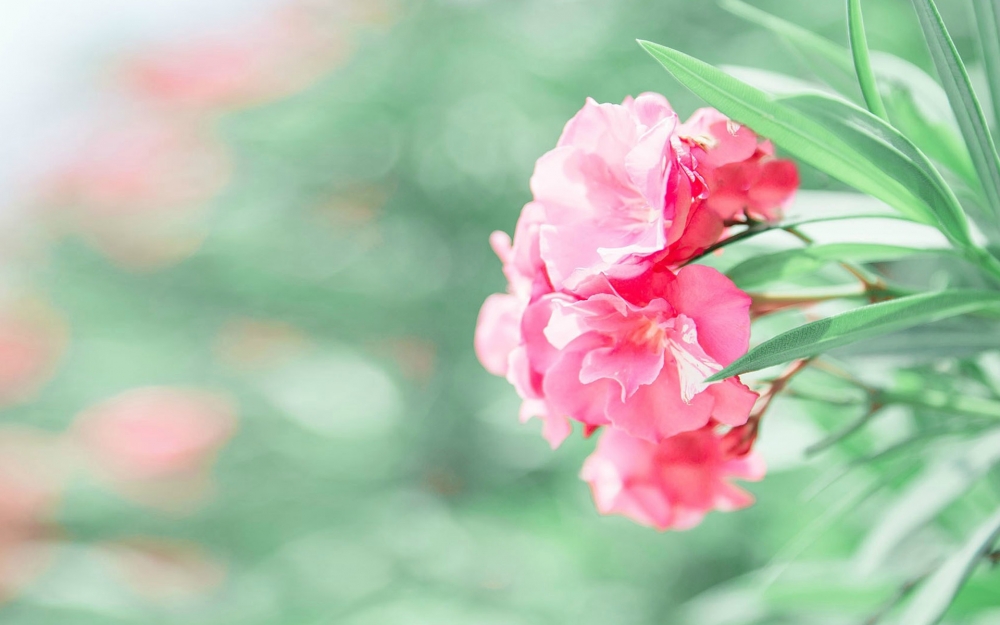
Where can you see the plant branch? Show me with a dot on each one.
(738, 441)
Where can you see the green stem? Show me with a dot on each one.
(965, 405)
(985, 261)
(862, 61)
(870, 281)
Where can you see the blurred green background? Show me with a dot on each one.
(313, 252)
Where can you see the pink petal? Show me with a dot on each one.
(564, 391)
(720, 311)
(693, 364)
(657, 411)
(555, 427)
(627, 363)
(733, 401)
(497, 332)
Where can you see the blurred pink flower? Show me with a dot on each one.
(249, 64)
(620, 184)
(32, 339)
(671, 484)
(155, 433)
(742, 174)
(137, 190)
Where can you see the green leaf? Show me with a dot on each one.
(789, 263)
(828, 60)
(893, 152)
(859, 324)
(862, 61)
(926, 496)
(773, 83)
(969, 113)
(937, 592)
(988, 21)
(910, 96)
(857, 150)
(946, 339)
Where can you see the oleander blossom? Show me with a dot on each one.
(668, 485)
(620, 184)
(742, 175)
(635, 352)
(605, 323)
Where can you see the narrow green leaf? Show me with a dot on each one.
(893, 153)
(859, 324)
(853, 151)
(795, 262)
(910, 96)
(862, 61)
(988, 22)
(926, 496)
(828, 60)
(963, 100)
(952, 338)
(938, 591)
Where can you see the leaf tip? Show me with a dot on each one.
(720, 375)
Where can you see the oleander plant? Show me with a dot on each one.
(671, 290)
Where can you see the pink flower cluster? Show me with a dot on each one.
(604, 324)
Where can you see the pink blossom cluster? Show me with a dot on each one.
(605, 324)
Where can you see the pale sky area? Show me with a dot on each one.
(52, 55)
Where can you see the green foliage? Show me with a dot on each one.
(963, 100)
(859, 324)
(938, 591)
(786, 264)
(862, 61)
(852, 150)
(926, 151)
(988, 25)
(826, 58)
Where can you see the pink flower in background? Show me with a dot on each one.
(620, 184)
(32, 339)
(742, 173)
(156, 432)
(249, 64)
(635, 353)
(671, 484)
(137, 191)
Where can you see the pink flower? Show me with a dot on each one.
(253, 62)
(742, 174)
(667, 485)
(138, 191)
(505, 321)
(498, 329)
(620, 184)
(605, 323)
(635, 352)
(152, 433)
(32, 340)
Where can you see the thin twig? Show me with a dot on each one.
(871, 282)
(753, 229)
(738, 441)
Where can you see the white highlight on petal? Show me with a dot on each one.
(563, 326)
(693, 364)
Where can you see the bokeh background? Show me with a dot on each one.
(242, 248)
